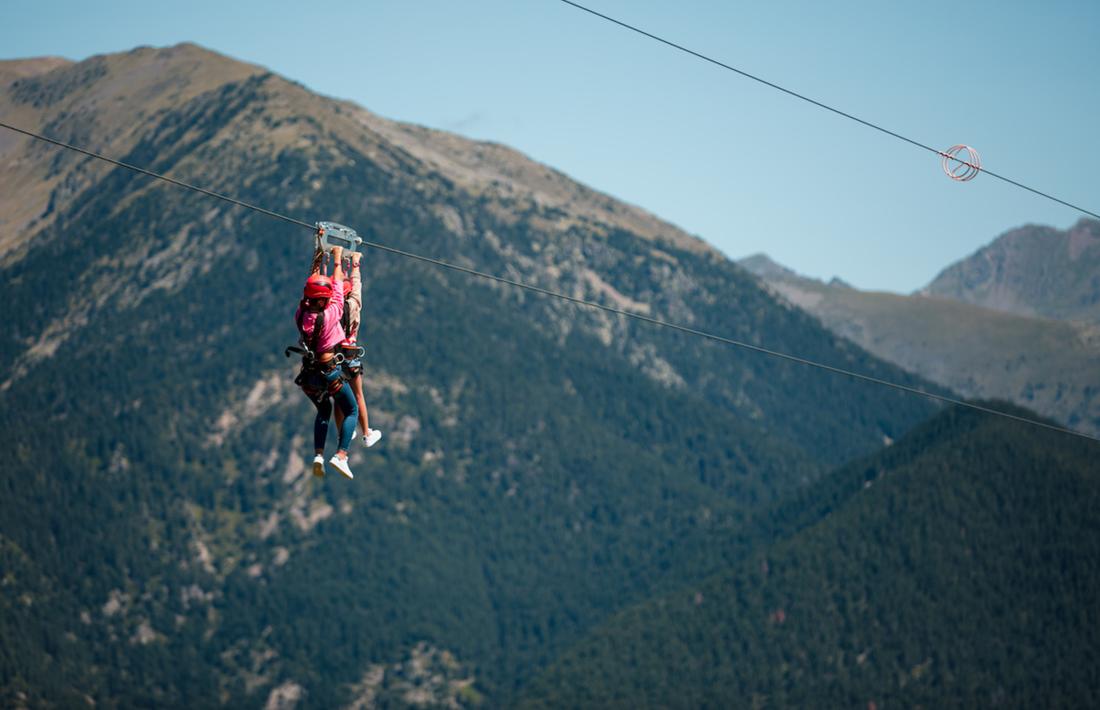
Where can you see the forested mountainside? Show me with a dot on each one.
(542, 466)
(1032, 270)
(957, 568)
(1050, 366)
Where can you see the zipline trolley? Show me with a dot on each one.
(331, 234)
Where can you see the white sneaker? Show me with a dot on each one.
(341, 466)
(319, 466)
(354, 433)
(373, 435)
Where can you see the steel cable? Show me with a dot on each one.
(825, 106)
(572, 299)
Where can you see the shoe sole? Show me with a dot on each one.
(319, 469)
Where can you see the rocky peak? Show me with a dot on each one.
(1032, 270)
(100, 103)
(766, 268)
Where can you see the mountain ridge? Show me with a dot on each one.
(31, 184)
(1032, 270)
(1038, 362)
(12, 69)
(542, 464)
(294, 116)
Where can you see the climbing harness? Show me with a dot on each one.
(351, 355)
(313, 377)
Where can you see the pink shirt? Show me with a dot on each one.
(333, 334)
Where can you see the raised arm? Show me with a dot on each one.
(356, 280)
(337, 301)
(338, 267)
(318, 261)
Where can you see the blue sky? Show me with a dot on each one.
(743, 166)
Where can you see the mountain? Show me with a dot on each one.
(542, 466)
(954, 569)
(1047, 365)
(1033, 270)
(103, 104)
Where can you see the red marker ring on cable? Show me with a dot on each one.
(959, 169)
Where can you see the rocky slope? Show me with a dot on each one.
(102, 104)
(1034, 271)
(1047, 365)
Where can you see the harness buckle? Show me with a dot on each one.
(297, 350)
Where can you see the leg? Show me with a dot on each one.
(339, 415)
(340, 392)
(313, 385)
(320, 424)
(364, 418)
(345, 401)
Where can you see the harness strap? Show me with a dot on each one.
(314, 339)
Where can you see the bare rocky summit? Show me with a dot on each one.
(1033, 271)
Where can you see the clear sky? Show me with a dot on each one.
(739, 164)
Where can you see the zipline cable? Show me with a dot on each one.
(578, 301)
(825, 106)
(158, 176)
(727, 341)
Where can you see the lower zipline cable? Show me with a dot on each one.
(575, 300)
(158, 176)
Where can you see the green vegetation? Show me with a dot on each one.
(956, 568)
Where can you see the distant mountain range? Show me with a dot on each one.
(978, 350)
(543, 467)
(1033, 271)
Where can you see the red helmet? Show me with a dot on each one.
(347, 288)
(318, 286)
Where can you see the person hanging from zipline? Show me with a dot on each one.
(353, 364)
(321, 377)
